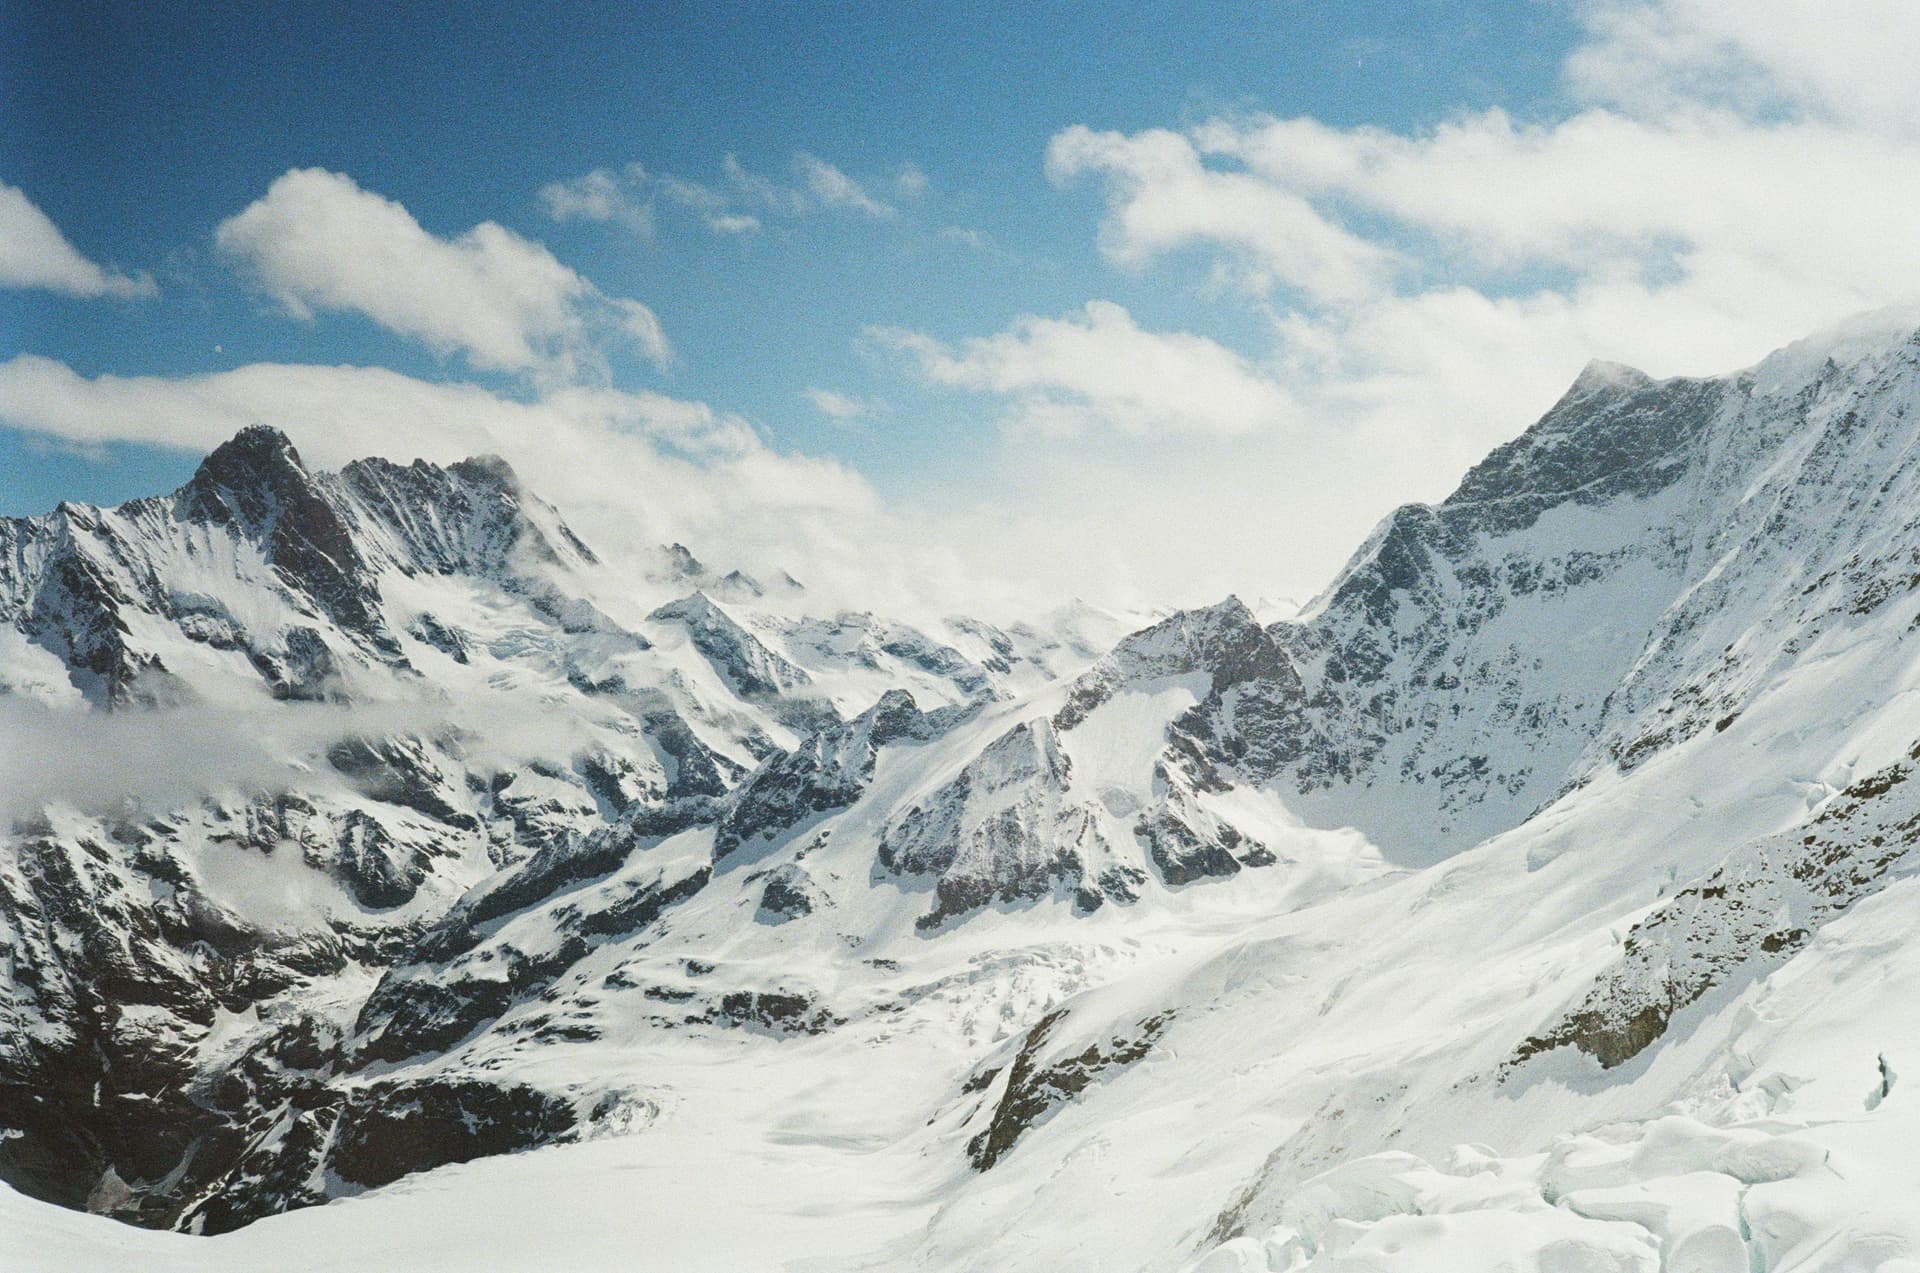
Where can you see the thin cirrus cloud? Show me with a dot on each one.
(35, 254)
(737, 203)
(1099, 369)
(842, 408)
(317, 241)
(835, 189)
(602, 195)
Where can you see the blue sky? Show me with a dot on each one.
(928, 231)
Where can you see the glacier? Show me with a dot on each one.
(389, 881)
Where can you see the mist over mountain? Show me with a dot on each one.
(388, 883)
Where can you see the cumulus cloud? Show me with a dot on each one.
(1099, 369)
(1733, 175)
(1724, 177)
(317, 241)
(1162, 197)
(1849, 64)
(33, 253)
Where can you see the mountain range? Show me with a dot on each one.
(1542, 890)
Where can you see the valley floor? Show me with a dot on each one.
(813, 1154)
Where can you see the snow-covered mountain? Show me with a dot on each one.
(1540, 892)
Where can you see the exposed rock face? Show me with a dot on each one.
(182, 1052)
(370, 1136)
(1617, 580)
(1745, 917)
(790, 893)
(829, 771)
(1430, 666)
(1253, 704)
(103, 589)
(121, 964)
(742, 659)
(1036, 1086)
(1223, 642)
(878, 645)
(1000, 831)
(470, 970)
(256, 487)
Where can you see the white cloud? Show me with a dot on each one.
(978, 240)
(1728, 175)
(1847, 63)
(711, 204)
(626, 196)
(733, 223)
(603, 195)
(33, 253)
(630, 471)
(1099, 369)
(317, 241)
(835, 189)
(910, 181)
(1161, 197)
(840, 407)
(1689, 244)
(107, 762)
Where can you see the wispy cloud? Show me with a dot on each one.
(1725, 176)
(978, 240)
(34, 253)
(1100, 369)
(737, 203)
(708, 478)
(842, 407)
(910, 182)
(835, 189)
(317, 241)
(603, 195)
(713, 206)
(168, 758)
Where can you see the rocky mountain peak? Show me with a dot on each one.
(682, 564)
(1603, 376)
(489, 469)
(247, 475)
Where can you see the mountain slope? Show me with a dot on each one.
(1543, 887)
